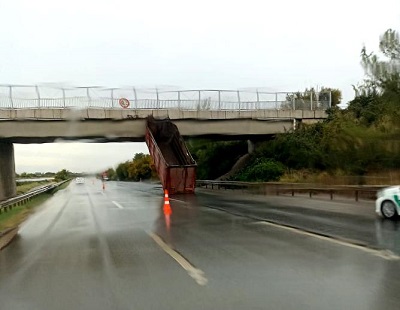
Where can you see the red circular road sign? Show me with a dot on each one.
(123, 102)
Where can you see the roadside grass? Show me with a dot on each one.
(63, 186)
(389, 177)
(25, 187)
(19, 214)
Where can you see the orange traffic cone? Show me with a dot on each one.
(167, 206)
(167, 210)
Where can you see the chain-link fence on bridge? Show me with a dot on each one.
(21, 96)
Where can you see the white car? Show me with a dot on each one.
(79, 180)
(387, 204)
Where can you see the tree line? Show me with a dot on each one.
(357, 140)
(140, 168)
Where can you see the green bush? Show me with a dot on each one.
(262, 170)
(62, 175)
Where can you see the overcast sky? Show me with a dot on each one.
(284, 45)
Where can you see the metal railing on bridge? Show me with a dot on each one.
(27, 96)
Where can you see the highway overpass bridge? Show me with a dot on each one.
(106, 125)
(118, 117)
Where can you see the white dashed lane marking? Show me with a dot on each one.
(117, 204)
(196, 274)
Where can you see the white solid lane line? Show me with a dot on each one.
(183, 203)
(173, 199)
(117, 204)
(386, 254)
(196, 274)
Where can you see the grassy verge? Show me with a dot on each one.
(63, 186)
(17, 215)
(25, 187)
(388, 177)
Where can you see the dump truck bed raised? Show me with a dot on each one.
(175, 166)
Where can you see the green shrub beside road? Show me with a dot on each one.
(262, 170)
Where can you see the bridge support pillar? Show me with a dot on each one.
(250, 146)
(7, 171)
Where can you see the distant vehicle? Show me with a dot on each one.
(79, 180)
(104, 176)
(387, 204)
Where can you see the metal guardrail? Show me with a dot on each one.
(22, 199)
(32, 96)
(275, 188)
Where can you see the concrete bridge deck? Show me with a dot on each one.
(47, 125)
(173, 114)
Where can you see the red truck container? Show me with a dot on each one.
(175, 166)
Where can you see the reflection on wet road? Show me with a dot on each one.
(121, 249)
(387, 234)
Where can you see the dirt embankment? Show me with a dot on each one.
(239, 165)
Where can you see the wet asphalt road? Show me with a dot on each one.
(89, 249)
(347, 220)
